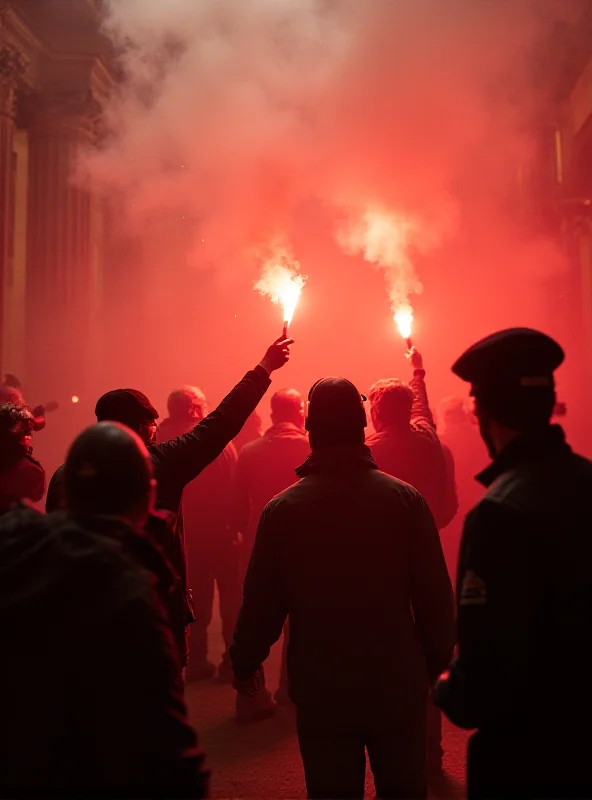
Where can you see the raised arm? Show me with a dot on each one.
(421, 413)
(182, 459)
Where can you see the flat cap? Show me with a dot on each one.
(515, 357)
(128, 406)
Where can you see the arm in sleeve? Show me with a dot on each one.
(421, 413)
(32, 479)
(264, 609)
(149, 748)
(497, 600)
(186, 456)
(432, 598)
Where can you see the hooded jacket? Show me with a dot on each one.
(93, 703)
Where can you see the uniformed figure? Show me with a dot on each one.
(524, 589)
(352, 556)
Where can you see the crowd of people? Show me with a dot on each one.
(347, 544)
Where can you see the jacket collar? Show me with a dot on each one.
(524, 449)
(340, 459)
(281, 428)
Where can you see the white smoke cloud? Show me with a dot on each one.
(393, 114)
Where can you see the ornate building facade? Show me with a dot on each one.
(54, 76)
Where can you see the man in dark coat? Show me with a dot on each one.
(405, 443)
(212, 549)
(524, 592)
(178, 461)
(265, 468)
(92, 705)
(353, 558)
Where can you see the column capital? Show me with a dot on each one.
(71, 113)
(13, 65)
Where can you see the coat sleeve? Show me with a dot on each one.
(264, 608)
(421, 413)
(499, 595)
(186, 456)
(151, 751)
(432, 598)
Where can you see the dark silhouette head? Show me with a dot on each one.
(512, 381)
(130, 408)
(390, 404)
(108, 472)
(187, 404)
(335, 414)
(287, 406)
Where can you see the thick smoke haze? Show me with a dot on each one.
(399, 132)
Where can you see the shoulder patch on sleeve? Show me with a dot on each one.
(472, 590)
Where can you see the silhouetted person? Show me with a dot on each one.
(352, 557)
(265, 468)
(458, 431)
(178, 461)
(92, 704)
(406, 445)
(21, 476)
(212, 551)
(524, 592)
(250, 432)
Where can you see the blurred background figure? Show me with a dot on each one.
(458, 430)
(92, 704)
(212, 552)
(250, 432)
(21, 476)
(265, 468)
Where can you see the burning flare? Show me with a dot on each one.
(404, 321)
(281, 281)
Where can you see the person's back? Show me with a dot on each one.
(405, 443)
(92, 703)
(268, 465)
(358, 553)
(352, 557)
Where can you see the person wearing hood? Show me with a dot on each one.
(524, 595)
(178, 461)
(22, 478)
(92, 705)
(212, 550)
(265, 468)
(353, 558)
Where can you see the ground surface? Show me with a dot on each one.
(262, 760)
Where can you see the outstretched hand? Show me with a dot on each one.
(277, 354)
(415, 358)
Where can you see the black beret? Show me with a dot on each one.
(335, 403)
(128, 406)
(515, 357)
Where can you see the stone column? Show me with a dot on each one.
(59, 246)
(12, 67)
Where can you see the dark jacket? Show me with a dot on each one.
(92, 704)
(265, 468)
(353, 557)
(524, 637)
(24, 480)
(206, 500)
(413, 454)
(178, 461)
